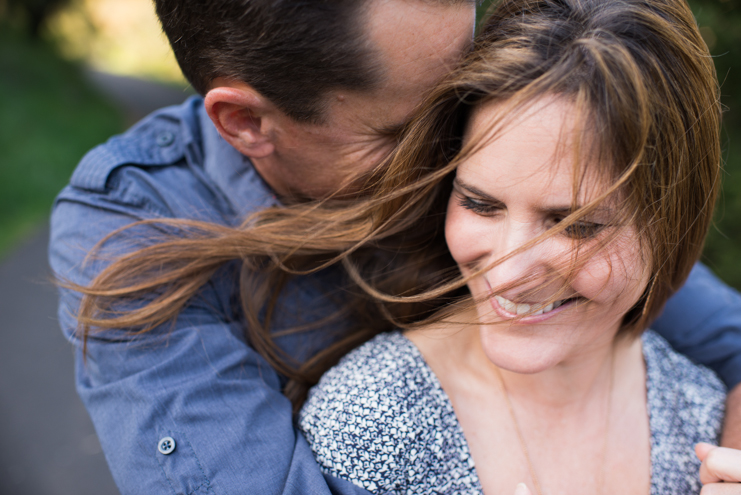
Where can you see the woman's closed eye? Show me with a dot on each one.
(581, 229)
(479, 206)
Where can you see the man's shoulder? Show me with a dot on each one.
(154, 170)
(163, 138)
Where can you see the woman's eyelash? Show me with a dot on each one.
(583, 230)
(577, 230)
(477, 206)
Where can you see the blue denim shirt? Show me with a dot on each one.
(197, 381)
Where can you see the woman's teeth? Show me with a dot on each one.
(525, 309)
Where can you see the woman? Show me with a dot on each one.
(583, 188)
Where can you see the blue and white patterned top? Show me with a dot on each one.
(381, 420)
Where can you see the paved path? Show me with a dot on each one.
(136, 97)
(47, 442)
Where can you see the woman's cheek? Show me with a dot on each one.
(617, 276)
(456, 226)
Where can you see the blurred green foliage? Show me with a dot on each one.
(29, 14)
(49, 118)
(720, 25)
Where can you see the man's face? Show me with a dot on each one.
(416, 43)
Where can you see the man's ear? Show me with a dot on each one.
(239, 114)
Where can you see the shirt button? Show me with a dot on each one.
(165, 139)
(166, 445)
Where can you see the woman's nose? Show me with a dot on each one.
(516, 268)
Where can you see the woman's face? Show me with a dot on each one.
(513, 189)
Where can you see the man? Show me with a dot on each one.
(298, 98)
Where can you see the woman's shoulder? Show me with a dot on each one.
(383, 359)
(675, 373)
(381, 420)
(387, 371)
(360, 419)
(686, 404)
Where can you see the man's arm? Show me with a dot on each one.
(703, 321)
(196, 382)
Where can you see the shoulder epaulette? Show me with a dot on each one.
(156, 140)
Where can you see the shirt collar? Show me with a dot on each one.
(233, 172)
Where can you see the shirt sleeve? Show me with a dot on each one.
(195, 383)
(703, 322)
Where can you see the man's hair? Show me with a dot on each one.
(292, 52)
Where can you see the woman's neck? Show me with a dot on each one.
(567, 386)
(455, 350)
(575, 419)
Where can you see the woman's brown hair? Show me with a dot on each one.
(639, 73)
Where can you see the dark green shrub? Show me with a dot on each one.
(30, 14)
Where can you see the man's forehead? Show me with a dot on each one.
(416, 43)
(407, 35)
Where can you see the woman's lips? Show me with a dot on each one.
(508, 309)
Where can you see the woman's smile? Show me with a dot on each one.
(509, 309)
(530, 311)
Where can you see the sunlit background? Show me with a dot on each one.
(73, 73)
(117, 36)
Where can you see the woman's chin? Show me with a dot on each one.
(523, 354)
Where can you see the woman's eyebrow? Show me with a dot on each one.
(553, 210)
(472, 189)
